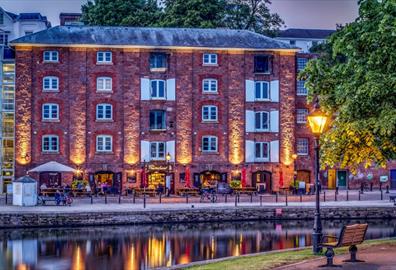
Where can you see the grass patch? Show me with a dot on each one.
(276, 259)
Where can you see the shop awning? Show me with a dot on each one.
(52, 166)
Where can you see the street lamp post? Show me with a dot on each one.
(317, 122)
(294, 157)
(168, 158)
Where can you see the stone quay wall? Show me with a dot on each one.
(68, 219)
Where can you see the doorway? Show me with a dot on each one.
(341, 179)
(331, 176)
(209, 179)
(393, 179)
(262, 181)
(50, 179)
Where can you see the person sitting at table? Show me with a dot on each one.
(80, 186)
(43, 186)
(88, 188)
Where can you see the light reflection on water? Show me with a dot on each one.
(147, 247)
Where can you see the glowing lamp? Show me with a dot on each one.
(317, 121)
(168, 157)
(294, 156)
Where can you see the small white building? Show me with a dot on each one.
(24, 191)
(304, 38)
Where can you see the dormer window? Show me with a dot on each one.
(51, 56)
(210, 59)
(262, 64)
(104, 57)
(158, 62)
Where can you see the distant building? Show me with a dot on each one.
(70, 19)
(12, 26)
(304, 38)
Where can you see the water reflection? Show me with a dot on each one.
(147, 247)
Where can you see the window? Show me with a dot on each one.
(50, 83)
(157, 120)
(209, 144)
(301, 63)
(302, 116)
(262, 121)
(261, 150)
(292, 42)
(104, 143)
(1, 17)
(3, 39)
(50, 111)
(8, 100)
(104, 112)
(302, 146)
(209, 86)
(210, 59)
(104, 84)
(158, 89)
(50, 143)
(51, 56)
(301, 90)
(158, 61)
(103, 57)
(209, 113)
(157, 150)
(262, 90)
(262, 64)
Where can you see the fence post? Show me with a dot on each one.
(91, 199)
(361, 187)
(276, 196)
(300, 198)
(387, 188)
(105, 197)
(239, 197)
(382, 196)
(335, 196)
(286, 199)
(261, 200)
(371, 186)
(324, 196)
(134, 197)
(225, 198)
(144, 200)
(251, 197)
(119, 198)
(359, 195)
(236, 200)
(6, 198)
(187, 198)
(347, 195)
(160, 197)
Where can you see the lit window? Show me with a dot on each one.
(157, 120)
(262, 64)
(209, 86)
(51, 56)
(301, 63)
(302, 116)
(50, 111)
(302, 146)
(157, 150)
(210, 59)
(104, 84)
(262, 90)
(50, 83)
(301, 90)
(262, 121)
(209, 113)
(209, 144)
(104, 143)
(158, 89)
(262, 151)
(50, 143)
(103, 57)
(104, 112)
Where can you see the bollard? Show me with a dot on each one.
(261, 200)
(186, 198)
(381, 186)
(225, 198)
(160, 197)
(236, 200)
(347, 195)
(276, 197)
(238, 197)
(126, 193)
(134, 197)
(387, 188)
(382, 196)
(119, 199)
(301, 198)
(105, 198)
(371, 186)
(361, 187)
(336, 190)
(359, 195)
(6, 199)
(324, 195)
(91, 199)
(286, 200)
(335, 196)
(144, 200)
(251, 197)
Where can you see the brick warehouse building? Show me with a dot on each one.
(110, 100)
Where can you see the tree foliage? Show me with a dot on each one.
(251, 15)
(355, 81)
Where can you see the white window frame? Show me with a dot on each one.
(301, 63)
(106, 84)
(262, 157)
(101, 141)
(107, 57)
(299, 147)
(211, 85)
(301, 116)
(262, 83)
(210, 59)
(104, 109)
(51, 79)
(157, 90)
(51, 108)
(210, 141)
(53, 56)
(261, 129)
(50, 148)
(157, 155)
(209, 114)
(301, 90)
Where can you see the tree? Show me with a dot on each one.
(121, 12)
(193, 13)
(355, 81)
(252, 15)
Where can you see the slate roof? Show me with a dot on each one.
(152, 37)
(305, 33)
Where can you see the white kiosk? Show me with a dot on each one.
(24, 191)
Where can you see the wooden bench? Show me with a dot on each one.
(246, 190)
(141, 191)
(350, 236)
(392, 198)
(188, 191)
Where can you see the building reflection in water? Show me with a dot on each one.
(146, 247)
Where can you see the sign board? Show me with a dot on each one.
(383, 178)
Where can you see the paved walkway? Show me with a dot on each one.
(125, 207)
(376, 258)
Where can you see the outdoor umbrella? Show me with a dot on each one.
(188, 184)
(243, 180)
(52, 166)
(281, 179)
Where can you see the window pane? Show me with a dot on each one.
(264, 119)
(261, 63)
(258, 120)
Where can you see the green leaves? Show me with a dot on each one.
(355, 79)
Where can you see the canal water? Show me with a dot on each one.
(155, 246)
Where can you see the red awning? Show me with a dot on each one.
(281, 179)
(188, 179)
(243, 177)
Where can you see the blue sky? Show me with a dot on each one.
(324, 14)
